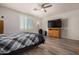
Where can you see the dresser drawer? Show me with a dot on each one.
(55, 33)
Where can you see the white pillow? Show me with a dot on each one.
(2, 35)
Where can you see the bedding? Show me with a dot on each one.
(18, 41)
(2, 35)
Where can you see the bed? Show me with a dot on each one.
(19, 41)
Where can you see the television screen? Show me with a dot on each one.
(55, 23)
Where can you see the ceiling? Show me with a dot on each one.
(55, 9)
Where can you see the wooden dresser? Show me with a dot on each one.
(54, 32)
(1, 26)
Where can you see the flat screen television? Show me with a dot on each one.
(55, 23)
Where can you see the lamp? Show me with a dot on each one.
(2, 17)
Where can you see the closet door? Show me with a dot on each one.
(1, 26)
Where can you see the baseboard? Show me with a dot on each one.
(70, 39)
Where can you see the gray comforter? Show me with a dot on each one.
(18, 41)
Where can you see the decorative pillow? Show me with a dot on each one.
(2, 35)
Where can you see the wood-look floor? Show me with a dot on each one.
(55, 47)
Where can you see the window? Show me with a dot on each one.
(25, 23)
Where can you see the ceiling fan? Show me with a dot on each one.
(43, 7)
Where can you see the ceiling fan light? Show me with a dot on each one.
(42, 9)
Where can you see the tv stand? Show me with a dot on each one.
(54, 32)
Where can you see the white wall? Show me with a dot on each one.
(12, 20)
(70, 29)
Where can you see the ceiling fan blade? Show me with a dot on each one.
(47, 6)
(44, 4)
(35, 9)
